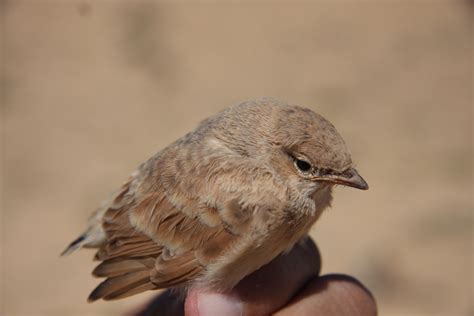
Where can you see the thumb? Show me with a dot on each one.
(203, 303)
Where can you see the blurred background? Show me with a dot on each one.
(90, 89)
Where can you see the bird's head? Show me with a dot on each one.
(315, 151)
(302, 147)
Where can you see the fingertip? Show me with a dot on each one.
(203, 303)
(190, 304)
(351, 294)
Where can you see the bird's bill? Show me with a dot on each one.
(350, 178)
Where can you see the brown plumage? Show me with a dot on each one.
(220, 202)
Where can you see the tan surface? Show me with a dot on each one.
(90, 89)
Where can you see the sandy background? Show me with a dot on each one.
(89, 89)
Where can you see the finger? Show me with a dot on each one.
(333, 294)
(264, 291)
(165, 304)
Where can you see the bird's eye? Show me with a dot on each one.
(303, 165)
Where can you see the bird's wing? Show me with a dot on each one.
(163, 229)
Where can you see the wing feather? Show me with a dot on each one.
(151, 243)
(181, 213)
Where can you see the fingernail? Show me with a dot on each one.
(212, 304)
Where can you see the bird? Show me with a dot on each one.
(217, 204)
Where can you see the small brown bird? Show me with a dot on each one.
(220, 202)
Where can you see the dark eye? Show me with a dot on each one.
(303, 165)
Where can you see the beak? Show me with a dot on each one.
(350, 178)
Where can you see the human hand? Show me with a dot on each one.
(289, 285)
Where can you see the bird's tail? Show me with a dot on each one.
(93, 237)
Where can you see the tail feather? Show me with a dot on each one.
(113, 267)
(93, 237)
(130, 291)
(123, 285)
(74, 245)
(128, 249)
